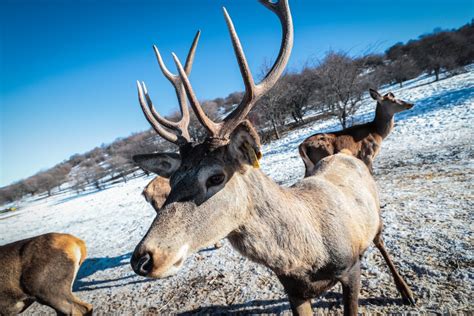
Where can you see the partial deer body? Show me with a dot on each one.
(41, 269)
(311, 235)
(156, 192)
(363, 141)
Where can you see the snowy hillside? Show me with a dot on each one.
(425, 175)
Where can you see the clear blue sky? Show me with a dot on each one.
(68, 68)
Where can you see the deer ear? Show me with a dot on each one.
(375, 95)
(245, 145)
(163, 164)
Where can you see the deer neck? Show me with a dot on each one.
(282, 231)
(383, 122)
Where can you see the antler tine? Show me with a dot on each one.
(254, 92)
(156, 115)
(282, 10)
(182, 125)
(153, 122)
(239, 53)
(210, 126)
(190, 59)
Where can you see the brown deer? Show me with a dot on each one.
(156, 191)
(311, 235)
(41, 269)
(363, 141)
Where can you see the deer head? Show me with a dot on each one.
(209, 181)
(388, 103)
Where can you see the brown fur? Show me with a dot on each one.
(156, 191)
(363, 141)
(41, 269)
(311, 235)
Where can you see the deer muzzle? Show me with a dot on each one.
(157, 263)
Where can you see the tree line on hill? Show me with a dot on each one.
(331, 87)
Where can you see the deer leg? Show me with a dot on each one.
(367, 159)
(56, 293)
(83, 307)
(350, 290)
(402, 287)
(67, 304)
(300, 307)
(27, 303)
(13, 305)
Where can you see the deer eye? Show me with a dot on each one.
(215, 180)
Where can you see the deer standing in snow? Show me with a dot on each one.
(41, 269)
(311, 235)
(363, 141)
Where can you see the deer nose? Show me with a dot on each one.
(142, 265)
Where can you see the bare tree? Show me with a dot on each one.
(400, 70)
(272, 108)
(46, 182)
(299, 90)
(30, 185)
(119, 166)
(342, 84)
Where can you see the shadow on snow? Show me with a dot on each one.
(278, 306)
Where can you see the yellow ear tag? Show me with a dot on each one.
(253, 156)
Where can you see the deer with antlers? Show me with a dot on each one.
(311, 235)
(41, 269)
(363, 141)
(157, 190)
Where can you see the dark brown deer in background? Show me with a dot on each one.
(311, 235)
(363, 141)
(41, 269)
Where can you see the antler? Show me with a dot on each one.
(253, 92)
(154, 118)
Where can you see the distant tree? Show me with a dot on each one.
(271, 109)
(342, 84)
(299, 90)
(78, 181)
(374, 60)
(76, 159)
(30, 185)
(440, 50)
(401, 69)
(97, 154)
(10, 193)
(434, 53)
(119, 166)
(233, 99)
(46, 182)
(96, 173)
(396, 51)
(466, 37)
(219, 102)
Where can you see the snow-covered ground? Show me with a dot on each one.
(425, 176)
